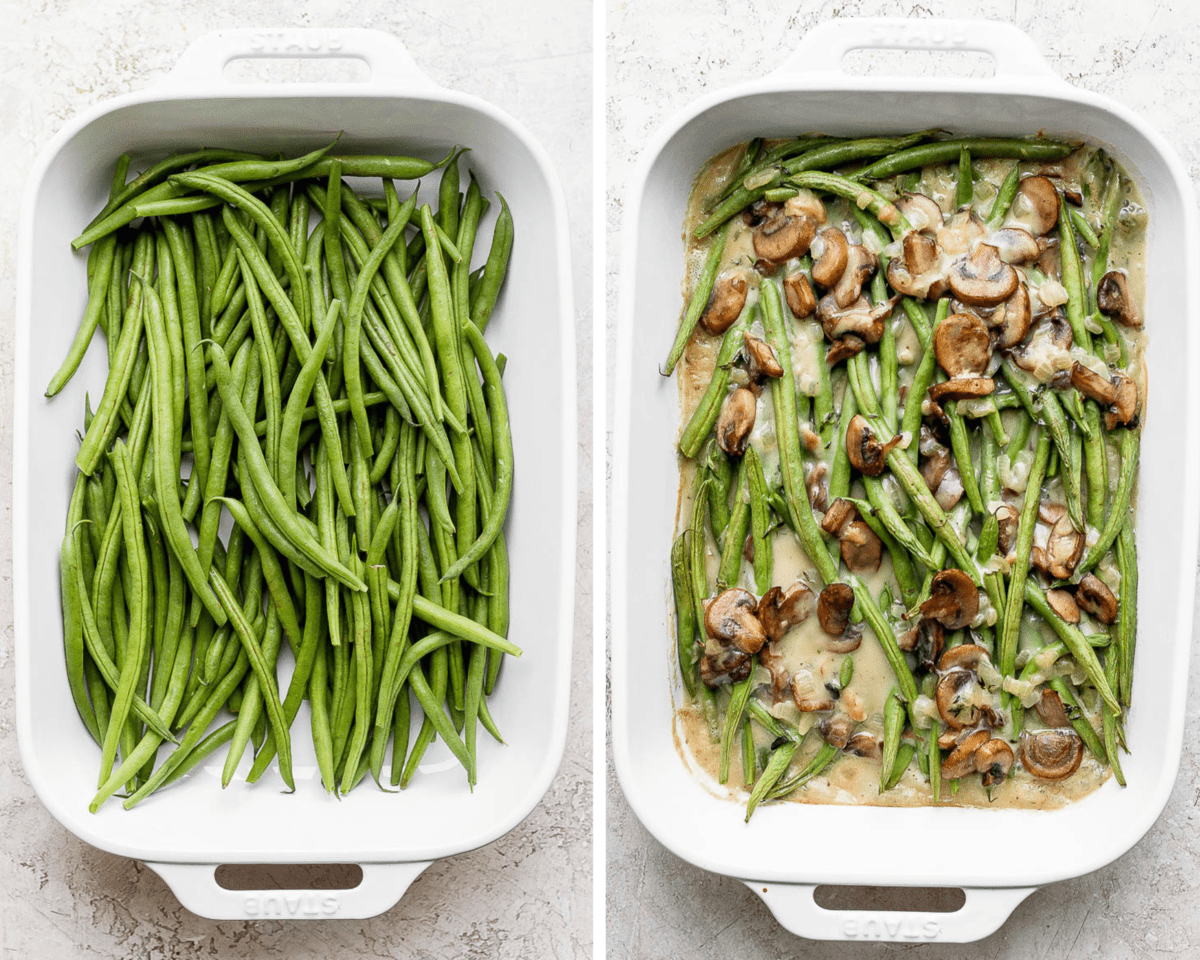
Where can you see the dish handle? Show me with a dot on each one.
(825, 45)
(388, 60)
(983, 912)
(195, 885)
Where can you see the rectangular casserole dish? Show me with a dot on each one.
(184, 832)
(789, 848)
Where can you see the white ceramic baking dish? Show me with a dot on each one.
(185, 832)
(997, 857)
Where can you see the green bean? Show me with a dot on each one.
(893, 726)
(903, 759)
(97, 294)
(1126, 632)
(781, 758)
(1040, 149)
(1078, 719)
(730, 564)
(1076, 642)
(70, 574)
(815, 767)
(764, 562)
(927, 369)
(864, 197)
(1010, 621)
(965, 194)
(250, 711)
(700, 424)
(1118, 509)
(685, 613)
(699, 300)
(960, 444)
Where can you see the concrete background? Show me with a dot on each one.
(528, 894)
(1147, 56)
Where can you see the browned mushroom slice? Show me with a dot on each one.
(983, 279)
(961, 388)
(782, 237)
(867, 454)
(1051, 754)
(1012, 319)
(860, 264)
(859, 318)
(862, 550)
(730, 665)
(843, 348)
(961, 761)
(806, 204)
(921, 212)
(1091, 384)
(1064, 545)
(763, 362)
(833, 608)
(866, 745)
(962, 345)
(759, 211)
(956, 694)
(1124, 408)
(736, 421)
(830, 266)
(1016, 245)
(934, 467)
(1008, 517)
(772, 658)
(817, 485)
(800, 297)
(725, 303)
(836, 729)
(1112, 297)
(994, 759)
(1063, 603)
(1050, 708)
(778, 612)
(928, 642)
(848, 642)
(966, 656)
(1036, 204)
(731, 618)
(1093, 595)
(953, 599)
(961, 231)
(840, 513)
(917, 273)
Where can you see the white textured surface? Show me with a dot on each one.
(658, 61)
(529, 893)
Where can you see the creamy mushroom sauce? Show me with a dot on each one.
(851, 779)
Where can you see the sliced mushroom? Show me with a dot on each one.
(962, 345)
(1051, 754)
(830, 266)
(1013, 318)
(1064, 545)
(867, 454)
(953, 600)
(843, 348)
(731, 618)
(781, 237)
(817, 485)
(934, 467)
(1091, 384)
(805, 204)
(921, 212)
(1036, 203)
(994, 759)
(736, 421)
(961, 231)
(759, 211)
(955, 695)
(1063, 603)
(836, 729)
(1124, 408)
(1051, 710)
(917, 273)
(778, 612)
(833, 608)
(961, 761)
(862, 550)
(849, 641)
(1008, 517)
(961, 388)
(800, 297)
(840, 513)
(729, 665)
(725, 303)
(1093, 595)
(929, 643)
(859, 318)
(866, 745)
(983, 279)
(772, 658)
(860, 264)
(1016, 245)
(763, 362)
(1112, 297)
(966, 656)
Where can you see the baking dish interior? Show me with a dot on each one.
(437, 814)
(847, 844)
